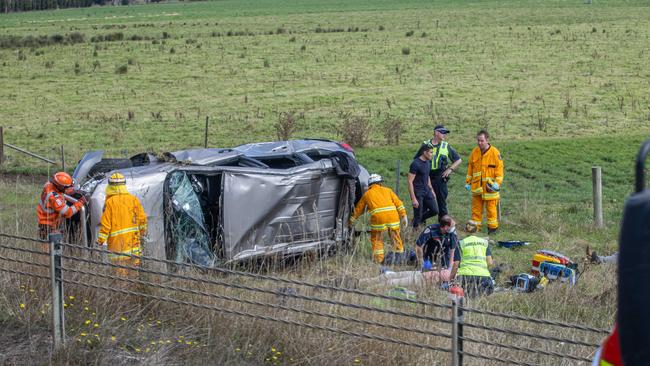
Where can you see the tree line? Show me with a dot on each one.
(9, 6)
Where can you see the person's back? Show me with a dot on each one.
(471, 262)
(123, 221)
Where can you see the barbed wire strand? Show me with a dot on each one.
(535, 320)
(515, 332)
(523, 349)
(24, 273)
(260, 317)
(26, 238)
(24, 250)
(265, 304)
(256, 289)
(15, 260)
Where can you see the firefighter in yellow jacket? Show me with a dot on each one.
(123, 223)
(386, 210)
(484, 179)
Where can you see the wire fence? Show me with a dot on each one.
(451, 331)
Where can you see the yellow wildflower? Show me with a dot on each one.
(22, 306)
(112, 338)
(87, 322)
(96, 325)
(83, 334)
(122, 318)
(71, 297)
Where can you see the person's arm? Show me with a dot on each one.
(456, 160)
(489, 261)
(142, 218)
(499, 170)
(419, 254)
(409, 179)
(358, 210)
(454, 270)
(58, 203)
(401, 211)
(104, 226)
(468, 177)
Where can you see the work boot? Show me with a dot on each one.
(592, 255)
(492, 231)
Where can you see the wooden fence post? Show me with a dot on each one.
(596, 177)
(207, 119)
(62, 159)
(2, 146)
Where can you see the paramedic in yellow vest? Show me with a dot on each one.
(444, 162)
(484, 178)
(472, 260)
(386, 210)
(123, 223)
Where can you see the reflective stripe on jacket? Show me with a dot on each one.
(438, 152)
(473, 257)
(383, 205)
(52, 208)
(483, 167)
(123, 223)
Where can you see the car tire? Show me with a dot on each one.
(107, 165)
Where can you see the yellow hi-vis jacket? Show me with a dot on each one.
(473, 257)
(123, 222)
(384, 207)
(483, 168)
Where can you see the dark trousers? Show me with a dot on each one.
(440, 187)
(427, 208)
(476, 285)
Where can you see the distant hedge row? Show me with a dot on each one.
(9, 6)
(9, 41)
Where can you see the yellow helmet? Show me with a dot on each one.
(116, 179)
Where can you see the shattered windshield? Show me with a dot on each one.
(189, 233)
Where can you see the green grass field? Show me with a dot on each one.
(560, 85)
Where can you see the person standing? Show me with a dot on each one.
(484, 179)
(123, 223)
(419, 185)
(386, 210)
(471, 264)
(445, 161)
(53, 208)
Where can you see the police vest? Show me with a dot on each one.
(438, 153)
(473, 261)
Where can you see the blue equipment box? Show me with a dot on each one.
(556, 271)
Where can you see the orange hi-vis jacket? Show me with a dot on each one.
(52, 208)
(484, 167)
(123, 222)
(384, 207)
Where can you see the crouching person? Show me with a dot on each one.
(123, 225)
(386, 210)
(471, 264)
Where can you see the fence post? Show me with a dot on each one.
(207, 119)
(454, 333)
(397, 177)
(58, 318)
(596, 178)
(2, 146)
(62, 159)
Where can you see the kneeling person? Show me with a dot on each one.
(437, 245)
(471, 262)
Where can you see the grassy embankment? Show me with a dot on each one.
(524, 70)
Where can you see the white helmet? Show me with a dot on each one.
(375, 178)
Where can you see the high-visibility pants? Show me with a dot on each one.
(378, 243)
(477, 212)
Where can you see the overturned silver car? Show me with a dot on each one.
(215, 206)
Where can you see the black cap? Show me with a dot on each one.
(441, 129)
